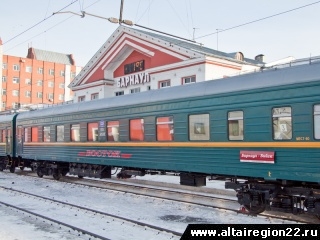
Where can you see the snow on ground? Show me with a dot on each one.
(176, 216)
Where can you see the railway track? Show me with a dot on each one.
(75, 211)
(205, 199)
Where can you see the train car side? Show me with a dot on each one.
(267, 134)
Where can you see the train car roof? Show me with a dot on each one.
(7, 118)
(265, 78)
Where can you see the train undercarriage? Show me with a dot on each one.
(255, 195)
(258, 196)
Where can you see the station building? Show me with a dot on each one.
(42, 77)
(133, 60)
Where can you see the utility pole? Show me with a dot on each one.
(121, 10)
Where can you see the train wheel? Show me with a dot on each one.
(79, 176)
(57, 175)
(21, 168)
(255, 209)
(12, 169)
(39, 173)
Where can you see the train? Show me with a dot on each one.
(258, 132)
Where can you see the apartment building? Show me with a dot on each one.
(42, 77)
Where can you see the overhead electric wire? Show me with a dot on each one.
(38, 23)
(274, 15)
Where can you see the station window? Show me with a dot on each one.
(113, 131)
(199, 128)
(235, 125)
(316, 117)
(282, 123)
(75, 132)
(34, 134)
(164, 84)
(46, 133)
(165, 128)
(60, 133)
(93, 132)
(137, 129)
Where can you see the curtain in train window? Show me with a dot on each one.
(60, 133)
(235, 125)
(199, 128)
(9, 135)
(93, 133)
(282, 123)
(46, 133)
(75, 132)
(113, 131)
(26, 132)
(316, 120)
(20, 132)
(165, 128)
(137, 130)
(34, 134)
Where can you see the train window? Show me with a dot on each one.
(199, 127)
(75, 132)
(60, 133)
(92, 133)
(9, 135)
(137, 129)
(113, 131)
(26, 135)
(282, 123)
(165, 128)
(34, 134)
(316, 120)
(235, 125)
(46, 133)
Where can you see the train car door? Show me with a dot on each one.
(20, 140)
(8, 141)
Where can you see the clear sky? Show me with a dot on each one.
(294, 33)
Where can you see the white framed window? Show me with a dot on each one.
(39, 94)
(51, 72)
(119, 93)
(94, 96)
(50, 84)
(40, 70)
(164, 84)
(61, 85)
(28, 69)
(282, 123)
(4, 65)
(4, 104)
(28, 81)
(81, 98)
(27, 94)
(16, 67)
(39, 83)
(235, 124)
(16, 80)
(62, 73)
(135, 90)
(188, 80)
(61, 97)
(50, 96)
(15, 105)
(4, 78)
(15, 93)
(73, 75)
(4, 92)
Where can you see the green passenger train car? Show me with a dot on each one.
(259, 131)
